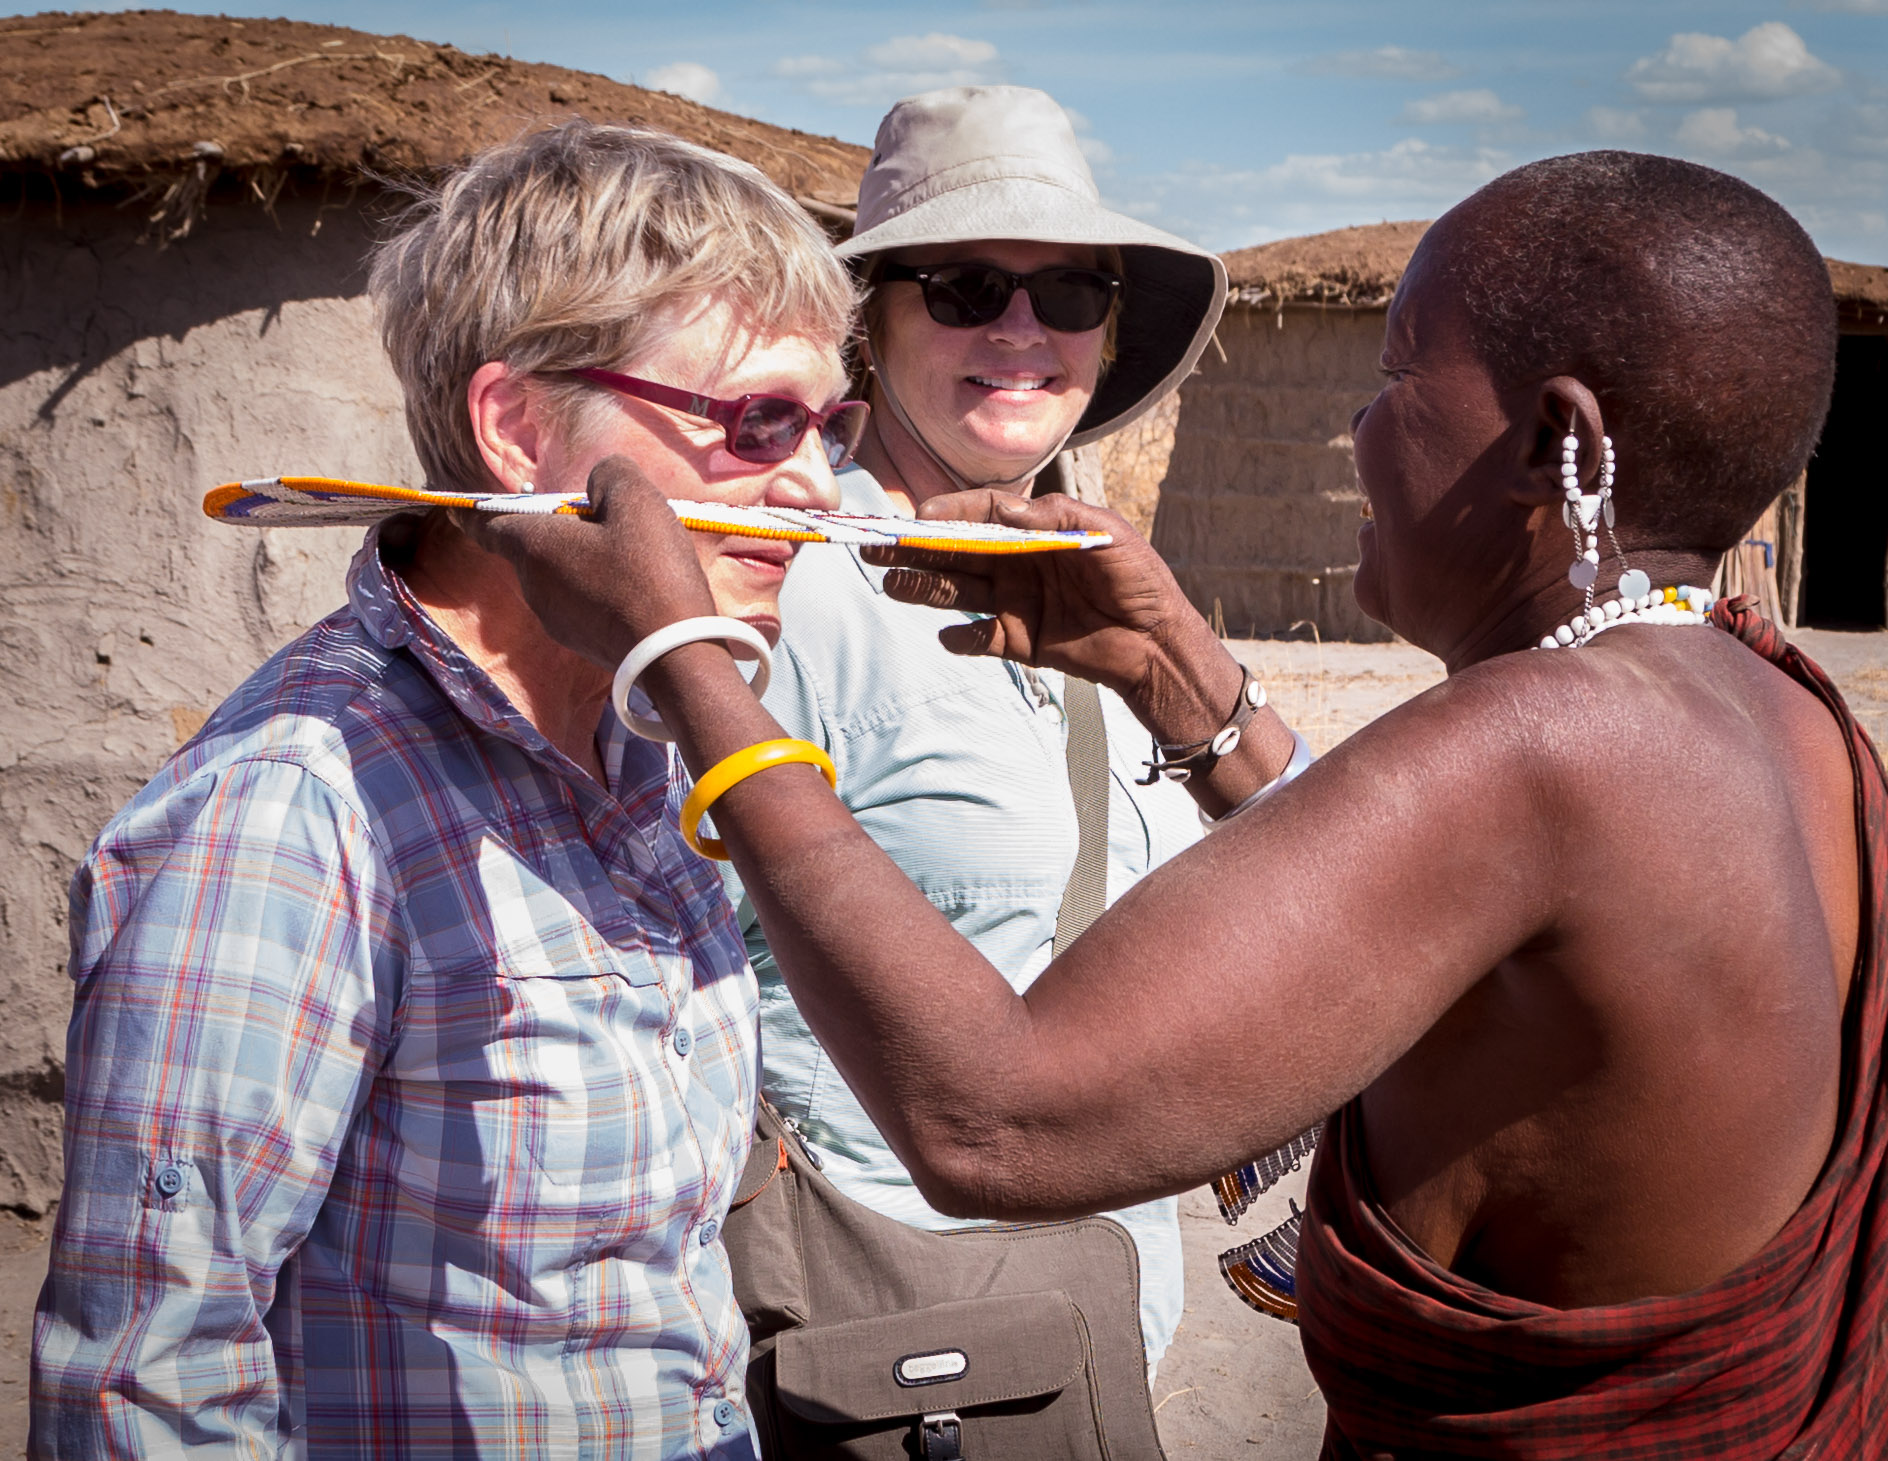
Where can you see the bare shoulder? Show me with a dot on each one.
(1655, 695)
(1679, 748)
(1644, 737)
(1674, 890)
(1676, 700)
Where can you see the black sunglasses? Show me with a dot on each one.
(962, 296)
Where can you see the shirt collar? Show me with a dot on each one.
(860, 492)
(394, 619)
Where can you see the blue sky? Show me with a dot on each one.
(1235, 123)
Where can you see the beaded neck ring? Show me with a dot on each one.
(1638, 601)
(1681, 605)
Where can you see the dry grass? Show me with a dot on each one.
(1328, 691)
(1866, 690)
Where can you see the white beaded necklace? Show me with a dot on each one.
(1682, 605)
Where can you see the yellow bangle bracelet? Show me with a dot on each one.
(733, 770)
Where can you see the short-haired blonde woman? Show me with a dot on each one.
(1009, 315)
(412, 1056)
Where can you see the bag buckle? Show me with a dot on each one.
(941, 1436)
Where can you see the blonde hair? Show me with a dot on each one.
(575, 246)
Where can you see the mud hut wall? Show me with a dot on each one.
(1258, 512)
(131, 380)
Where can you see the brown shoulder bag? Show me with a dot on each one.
(875, 1341)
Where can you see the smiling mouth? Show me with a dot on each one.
(1010, 382)
(751, 550)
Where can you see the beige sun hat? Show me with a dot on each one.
(1002, 162)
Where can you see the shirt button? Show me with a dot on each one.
(684, 1040)
(169, 1181)
(724, 1413)
(710, 1230)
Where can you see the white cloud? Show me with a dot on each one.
(1226, 208)
(899, 67)
(1766, 62)
(795, 67)
(1610, 124)
(1836, 200)
(687, 78)
(1394, 62)
(1410, 171)
(1460, 106)
(1838, 197)
(1715, 132)
(933, 52)
(1858, 130)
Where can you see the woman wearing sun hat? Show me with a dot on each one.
(1009, 316)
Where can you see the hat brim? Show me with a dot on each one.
(1172, 299)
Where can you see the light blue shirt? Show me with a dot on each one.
(956, 767)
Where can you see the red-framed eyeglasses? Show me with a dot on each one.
(760, 429)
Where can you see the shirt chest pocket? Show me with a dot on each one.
(537, 1051)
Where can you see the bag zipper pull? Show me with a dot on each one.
(799, 1138)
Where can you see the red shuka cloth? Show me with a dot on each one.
(1785, 1357)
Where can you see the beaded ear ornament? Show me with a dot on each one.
(1586, 513)
(1638, 602)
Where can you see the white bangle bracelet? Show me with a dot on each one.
(674, 636)
(1301, 757)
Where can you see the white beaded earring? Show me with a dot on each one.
(1585, 514)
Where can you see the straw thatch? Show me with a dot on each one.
(1861, 295)
(164, 105)
(1358, 268)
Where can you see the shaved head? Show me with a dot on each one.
(1691, 304)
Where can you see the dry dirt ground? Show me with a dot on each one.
(1234, 1385)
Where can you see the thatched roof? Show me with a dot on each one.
(134, 101)
(1359, 268)
(1355, 267)
(1861, 293)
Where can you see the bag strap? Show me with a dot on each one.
(1086, 895)
(941, 1436)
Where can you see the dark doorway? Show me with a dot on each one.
(1845, 502)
